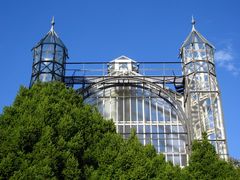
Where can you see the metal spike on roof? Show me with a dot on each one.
(52, 24)
(193, 23)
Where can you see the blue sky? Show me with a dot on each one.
(141, 29)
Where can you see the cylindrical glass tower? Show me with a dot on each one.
(49, 57)
(202, 96)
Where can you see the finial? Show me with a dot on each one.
(52, 24)
(193, 23)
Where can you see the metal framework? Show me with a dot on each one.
(49, 57)
(202, 95)
(168, 103)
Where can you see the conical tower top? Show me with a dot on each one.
(51, 37)
(195, 37)
(49, 57)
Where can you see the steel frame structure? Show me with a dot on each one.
(94, 80)
(49, 57)
(202, 94)
(169, 103)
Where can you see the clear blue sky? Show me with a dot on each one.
(140, 29)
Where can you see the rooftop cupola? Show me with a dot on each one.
(49, 57)
(122, 65)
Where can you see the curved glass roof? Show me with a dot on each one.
(155, 119)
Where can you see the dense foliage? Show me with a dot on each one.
(49, 133)
(204, 163)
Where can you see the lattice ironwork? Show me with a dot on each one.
(49, 58)
(168, 103)
(202, 95)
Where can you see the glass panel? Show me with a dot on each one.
(175, 142)
(148, 134)
(167, 114)
(59, 54)
(140, 111)
(154, 132)
(140, 132)
(170, 158)
(176, 159)
(127, 131)
(100, 105)
(120, 129)
(127, 109)
(146, 109)
(45, 77)
(153, 111)
(162, 146)
(173, 115)
(133, 109)
(47, 52)
(182, 143)
(183, 160)
(160, 113)
(57, 78)
(120, 109)
(161, 131)
(37, 54)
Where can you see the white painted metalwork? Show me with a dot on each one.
(202, 95)
(168, 105)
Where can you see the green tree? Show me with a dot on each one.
(204, 163)
(129, 159)
(49, 133)
(46, 132)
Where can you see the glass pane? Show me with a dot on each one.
(37, 54)
(160, 113)
(45, 77)
(120, 109)
(146, 109)
(133, 109)
(47, 52)
(153, 111)
(167, 114)
(140, 111)
(127, 109)
(59, 54)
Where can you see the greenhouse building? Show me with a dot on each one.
(168, 103)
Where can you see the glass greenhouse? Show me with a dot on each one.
(169, 104)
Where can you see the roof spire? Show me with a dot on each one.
(52, 24)
(195, 37)
(193, 23)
